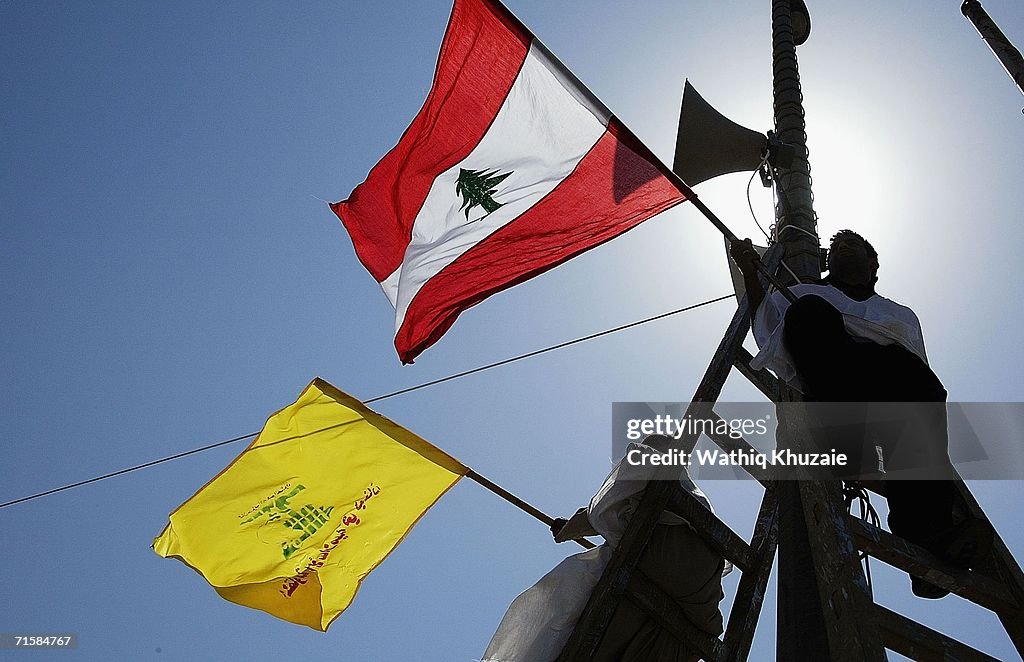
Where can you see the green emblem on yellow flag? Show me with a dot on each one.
(299, 524)
(325, 492)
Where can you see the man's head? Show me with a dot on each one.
(851, 259)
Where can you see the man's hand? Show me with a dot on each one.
(743, 251)
(577, 526)
(557, 526)
(745, 254)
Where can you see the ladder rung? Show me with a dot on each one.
(916, 560)
(772, 387)
(645, 594)
(714, 531)
(1000, 564)
(919, 642)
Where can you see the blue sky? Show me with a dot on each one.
(168, 280)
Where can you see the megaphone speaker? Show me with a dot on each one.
(709, 144)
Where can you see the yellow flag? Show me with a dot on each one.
(317, 501)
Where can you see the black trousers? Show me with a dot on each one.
(845, 372)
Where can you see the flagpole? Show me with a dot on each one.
(710, 215)
(647, 153)
(519, 503)
(671, 175)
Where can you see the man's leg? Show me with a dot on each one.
(826, 359)
(836, 368)
(686, 569)
(822, 351)
(921, 510)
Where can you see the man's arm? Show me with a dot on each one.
(744, 254)
(577, 526)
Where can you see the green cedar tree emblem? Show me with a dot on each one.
(476, 188)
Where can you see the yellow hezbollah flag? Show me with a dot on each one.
(317, 501)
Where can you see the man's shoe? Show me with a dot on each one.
(969, 543)
(964, 547)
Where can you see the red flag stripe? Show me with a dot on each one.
(617, 185)
(479, 60)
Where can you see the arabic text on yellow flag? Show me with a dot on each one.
(317, 501)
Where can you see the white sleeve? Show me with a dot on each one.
(768, 318)
(611, 507)
(917, 335)
(614, 503)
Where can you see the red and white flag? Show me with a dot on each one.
(510, 168)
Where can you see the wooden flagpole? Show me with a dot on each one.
(520, 504)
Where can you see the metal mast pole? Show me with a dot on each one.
(801, 633)
(794, 212)
(996, 40)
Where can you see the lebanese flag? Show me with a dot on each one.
(510, 168)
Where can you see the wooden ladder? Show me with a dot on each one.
(857, 629)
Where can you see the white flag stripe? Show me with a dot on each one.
(571, 84)
(544, 128)
(390, 286)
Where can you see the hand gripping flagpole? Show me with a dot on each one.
(703, 208)
(710, 215)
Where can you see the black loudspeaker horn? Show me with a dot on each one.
(709, 144)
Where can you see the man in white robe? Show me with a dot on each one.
(538, 623)
(841, 342)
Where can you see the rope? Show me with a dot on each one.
(378, 398)
(787, 210)
(750, 205)
(771, 235)
(793, 275)
(776, 230)
(800, 229)
(854, 491)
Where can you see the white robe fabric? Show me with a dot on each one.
(877, 319)
(538, 623)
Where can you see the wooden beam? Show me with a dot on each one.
(918, 642)
(746, 607)
(908, 557)
(1000, 565)
(645, 594)
(727, 443)
(712, 530)
(771, 386)
(842, 588)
